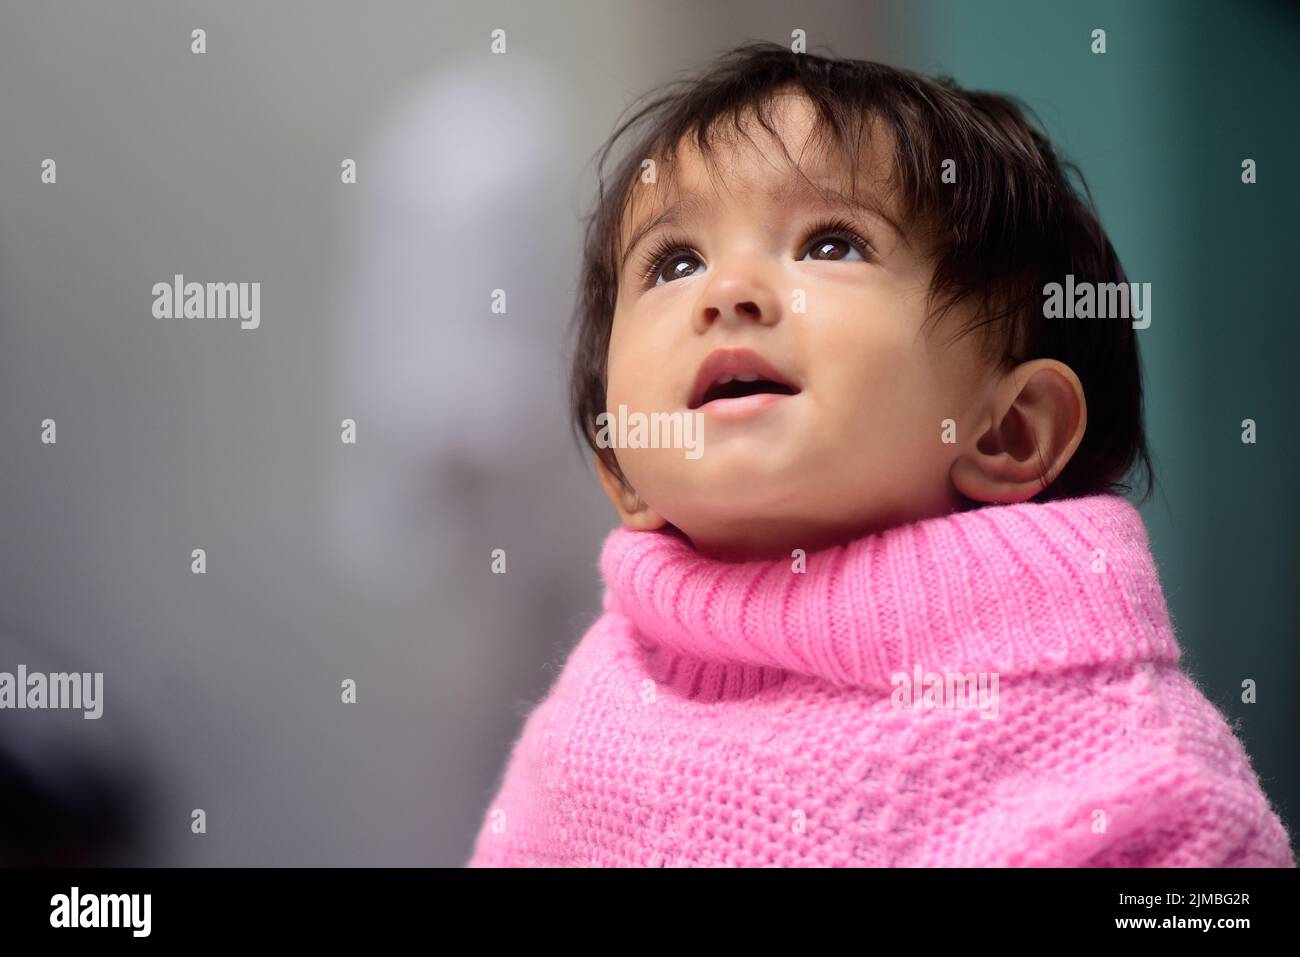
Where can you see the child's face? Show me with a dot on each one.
(860, 445)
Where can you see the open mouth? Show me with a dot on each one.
(729, 388)
(736, 374)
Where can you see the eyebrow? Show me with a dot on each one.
(693, 203)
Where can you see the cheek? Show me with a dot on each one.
(641, 367)
(878, 363)
(884, 397)
(867, 367)
(635, 380)
(624, 375)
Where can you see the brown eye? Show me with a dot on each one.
(835, 240)
(832, 248)
(679, 267)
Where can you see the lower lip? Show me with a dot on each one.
(743, 407)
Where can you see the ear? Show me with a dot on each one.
(1035, 421)
(632, 512)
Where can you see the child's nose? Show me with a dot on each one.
(738, 299)
(749, 308)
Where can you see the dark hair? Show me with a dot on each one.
(1010, 224)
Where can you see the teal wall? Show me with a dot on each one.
(1159, 125)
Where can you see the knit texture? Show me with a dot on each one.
(757, 713)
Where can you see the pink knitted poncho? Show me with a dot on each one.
(997, 687)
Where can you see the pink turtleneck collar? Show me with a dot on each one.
(1009, 588)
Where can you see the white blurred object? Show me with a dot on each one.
(466, 188)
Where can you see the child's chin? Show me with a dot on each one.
(742, 503)
(747, 469)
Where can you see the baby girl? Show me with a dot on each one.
(898, 611)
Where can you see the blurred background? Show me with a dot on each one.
(370, 561)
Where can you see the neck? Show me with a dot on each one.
(773, 537)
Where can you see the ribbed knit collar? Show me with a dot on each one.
(1012, 589)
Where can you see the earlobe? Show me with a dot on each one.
(632, 511)
(1033, 424)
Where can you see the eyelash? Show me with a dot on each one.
(658, 255)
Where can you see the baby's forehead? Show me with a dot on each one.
(691, 185)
